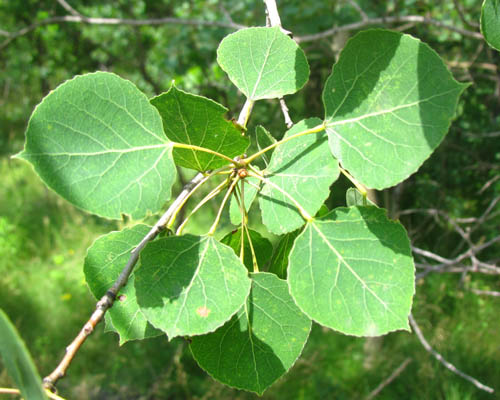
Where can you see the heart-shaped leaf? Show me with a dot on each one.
(388, 104)
(260, 343)
(97, 142)
(263, 63)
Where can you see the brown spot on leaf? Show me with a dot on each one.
(203, 311)
(122, 297)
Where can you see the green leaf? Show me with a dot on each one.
(302, 167)
(104, 262)
(250, 191)
(97, 142)
(279, 261)
(264, 139)
(17, 361)
(263, 63)
(262, 247)
(198, 121)
(388, 104)
(260, 343)
(353, 272)
(490, 23)
(190, 285)
(353, 197)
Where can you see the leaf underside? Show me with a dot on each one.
(104, 262)
(199, 121)
(98, 143)
(388, 104)
(353, 271)
(190, 285)
(303, 168)
(263, 63)
(260, 343)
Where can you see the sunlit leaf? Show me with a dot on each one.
(388, 104)
(353, 271)
(260, 343)
(97, 142)
(190, 285)
(490, 23)
(263, 63)
(304, 169)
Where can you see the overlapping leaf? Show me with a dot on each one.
(262, 247)
(264, 139)
(352, 271)
(17, 361)
(196, 120)
(260, 343)
(388, 104)
(190, 285)
(279, 261)
(105, 260)
(490, 23)
(263, 63)
(97, 142)
(354, 198)
(304, 169)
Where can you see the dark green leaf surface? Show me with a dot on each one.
(17, 361)
(352, 271)
(104, 262)
(97, 142)
(354, 198)
(190, 285)
(279, 262)
(490, 23)
(302, 167)
(249, 193)
(260, 343)
(388, 104)
(263, 63)
(262, 247)
(264, 139)
(196, 120)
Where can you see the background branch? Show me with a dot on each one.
(441, 359)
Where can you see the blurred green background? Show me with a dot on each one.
(43, 239)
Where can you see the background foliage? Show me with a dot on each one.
(43, 239)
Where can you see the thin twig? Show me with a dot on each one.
(108, 299)
(17, 392)
(117, 21)
(68, 8)
(361, 12)
(284, 110)
(375, 392)
(461, 14)
(440, 358)
(486, 292)
(387, 20)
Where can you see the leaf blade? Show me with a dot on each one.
(97, 142)
(490, 20)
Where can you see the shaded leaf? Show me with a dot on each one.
(263, 63)
(353, 271)
(302, 167)
(17, 361)
(279, 261)
(262, 247)
(260, 343)
(190, 285)
(104, 262)
(388, 104)
(490, 23)
(97, 142)
(353, 197)
(199, 121)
